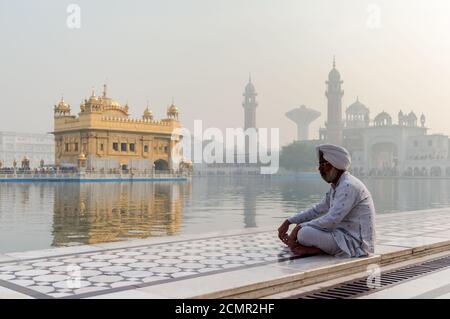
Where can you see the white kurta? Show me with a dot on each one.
(348, 212)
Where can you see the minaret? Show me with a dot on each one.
(334, 95)
(249, 105)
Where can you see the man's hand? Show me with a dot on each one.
(282, 231)
(292, 238)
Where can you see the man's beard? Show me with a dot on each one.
(331, 175)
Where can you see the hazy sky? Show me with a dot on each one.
(201, 51)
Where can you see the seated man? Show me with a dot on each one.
(343, 223)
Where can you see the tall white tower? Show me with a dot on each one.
(249, 105)
(334, 95)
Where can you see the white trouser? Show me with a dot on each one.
(313, 237)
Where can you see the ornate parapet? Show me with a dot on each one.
(138, 121)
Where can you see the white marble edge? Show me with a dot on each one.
(57, 251)
(6, 293)
(253, 278)
(4, 258)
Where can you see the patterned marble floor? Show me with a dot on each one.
(139, 266)
(393, 229)
(104, 271)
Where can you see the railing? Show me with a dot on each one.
(130, 174)
(39, 175)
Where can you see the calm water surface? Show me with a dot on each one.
(45, 215)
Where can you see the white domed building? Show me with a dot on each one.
(379, 146)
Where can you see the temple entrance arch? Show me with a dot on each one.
(384, 158)
(417, 171)
(435, 171)
(161, 165)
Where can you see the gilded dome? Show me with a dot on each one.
(104, 104)
(148, 114)
(172, 112)
(93, 99)
(172, 109)
(62, 107)
(108, 102)
(63, 104)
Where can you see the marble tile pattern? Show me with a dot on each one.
(413, 225)
(91, 273)
(100, 272)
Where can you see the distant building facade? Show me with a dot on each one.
(103, 137)
(378, 145)
(36, 148)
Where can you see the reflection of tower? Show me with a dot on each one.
(250, 203)
(334, 95)
(249, 105)
(302, 116)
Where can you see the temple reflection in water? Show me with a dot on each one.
(92, 213)
(44, 215)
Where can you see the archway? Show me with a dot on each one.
(383, 157)
(435, 171)
(416, 171)
(161, 165)
(424, 172)
(409, 171)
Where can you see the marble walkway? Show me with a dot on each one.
(222, 264)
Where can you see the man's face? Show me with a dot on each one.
(327, 171)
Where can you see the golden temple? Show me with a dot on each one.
(104, 137)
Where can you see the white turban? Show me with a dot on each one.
(337, 156)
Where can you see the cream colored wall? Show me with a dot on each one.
(92, 130)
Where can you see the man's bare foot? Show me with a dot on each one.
(292, 238)
(303, 251)
(298, 251)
